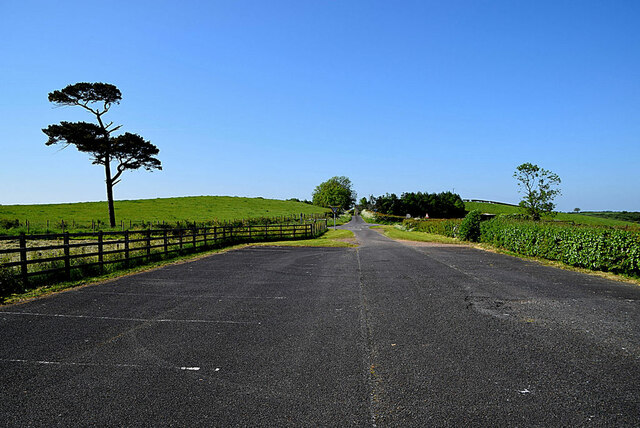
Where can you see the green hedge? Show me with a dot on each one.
(469, 229)
(593, 248)
(446, 227)
(387, 218)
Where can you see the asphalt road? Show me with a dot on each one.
(386, 334)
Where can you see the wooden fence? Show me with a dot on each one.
(85, 254)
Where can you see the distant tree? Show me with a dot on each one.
(126, 151)
(363, 203)
(577, 210)
(388, 204)
(539, 187)
(298, 200)
(336, 191)
(418, 204)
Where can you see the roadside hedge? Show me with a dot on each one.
(469, 229)
(387, 218)
(446, 227)
(611, 250)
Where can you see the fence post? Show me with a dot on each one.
(148, 244)
(180, 238)
(166, 244)
(215, 235)
(126, 249)
(205, 236)
(281, 236)
(67, 259)
(195, 230)
(249, 231)
(100, 253)
(23, 259)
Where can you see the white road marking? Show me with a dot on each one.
(79, 364)
(36, 314)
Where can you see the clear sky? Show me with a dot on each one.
(270, 98)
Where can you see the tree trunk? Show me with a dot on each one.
(107, 172)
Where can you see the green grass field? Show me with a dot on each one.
(170, 210)
(340, 220)
(588, 220)
(332, 238)
(616, 215)
(395, 233)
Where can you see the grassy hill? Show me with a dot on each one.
(576, 218)
(615, 215)
(170, 210)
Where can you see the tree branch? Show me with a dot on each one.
(120, 168)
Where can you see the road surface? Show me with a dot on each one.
(386, 334)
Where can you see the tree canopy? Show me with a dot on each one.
(82, 94)
(336, 191)
(539, 187)
(419, 204)
(127, 151)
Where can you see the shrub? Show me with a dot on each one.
(446, 227)
(470, 227)
(593, 248)
(387, 218)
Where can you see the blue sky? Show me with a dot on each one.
(270, 98)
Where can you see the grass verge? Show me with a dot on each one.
(340, 220)
(332, 238)
(367, 216)
(395, 233)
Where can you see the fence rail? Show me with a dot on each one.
(60, 254)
